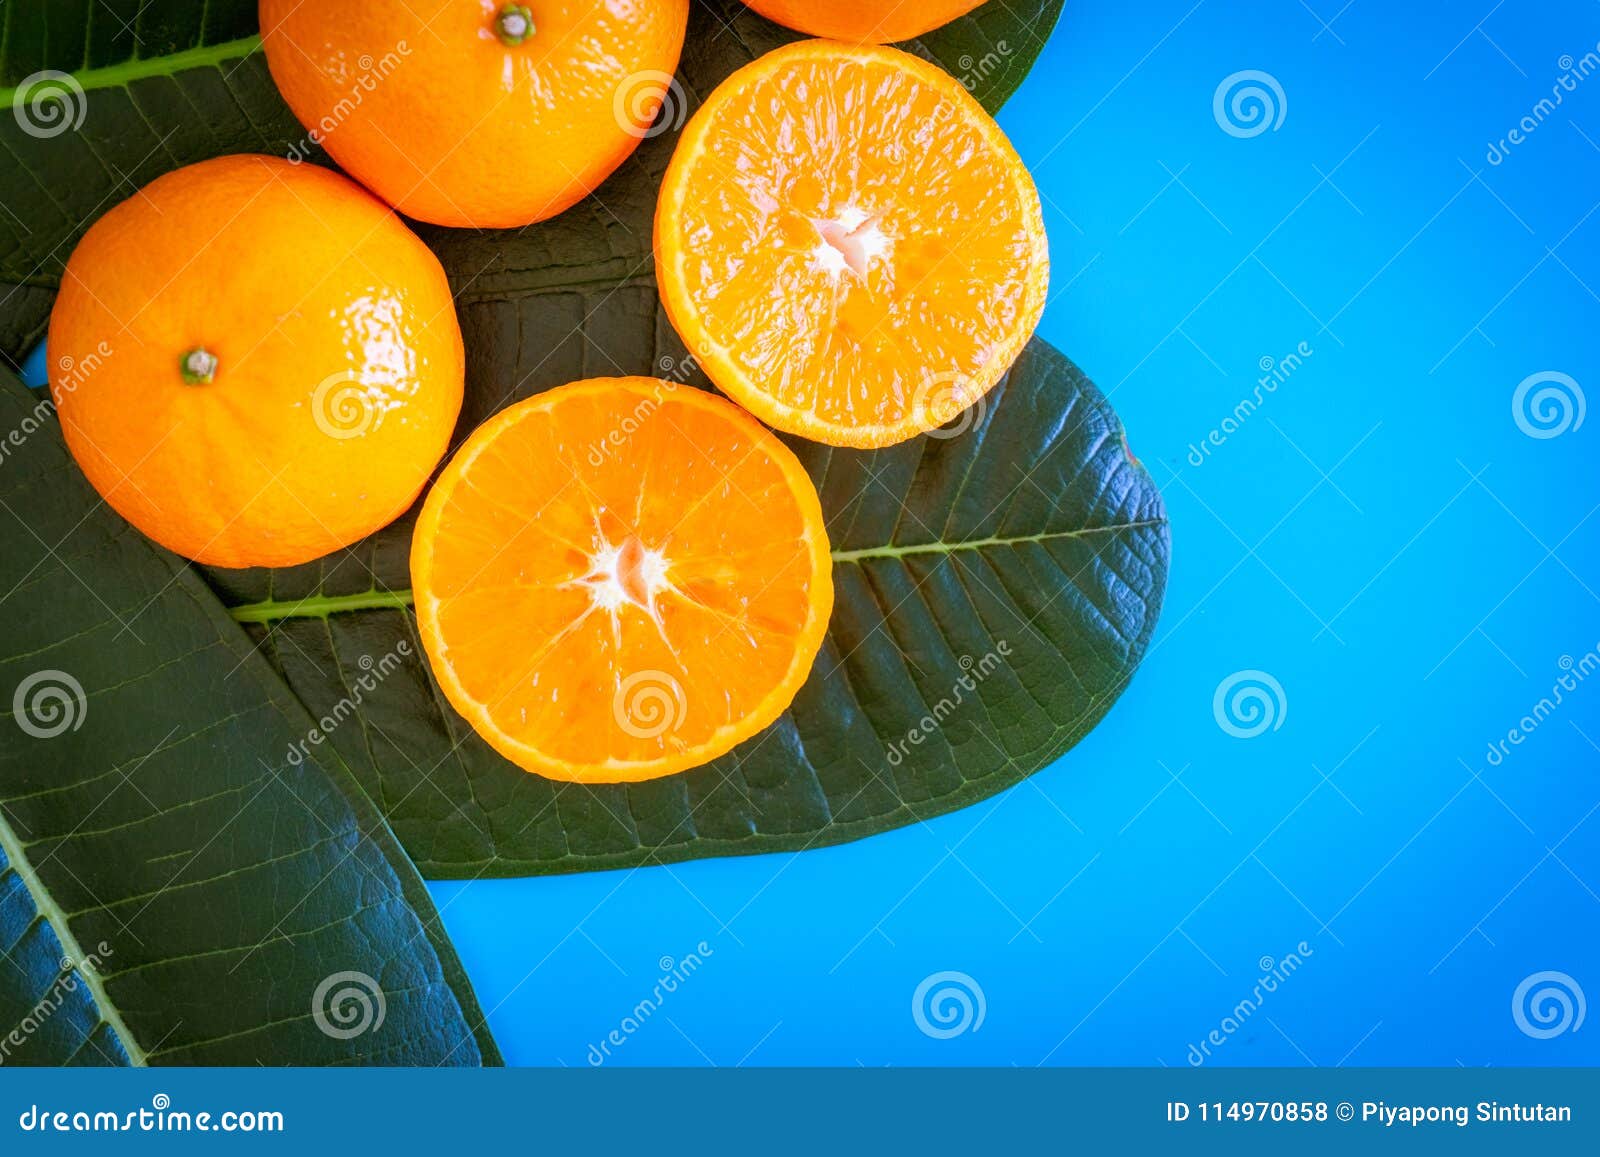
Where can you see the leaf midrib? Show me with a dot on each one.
(938, 547)
(47, 907)
(123, 74)
(321, 606)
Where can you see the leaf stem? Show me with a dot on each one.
(320, 606)
(872, 552)
(121, 75)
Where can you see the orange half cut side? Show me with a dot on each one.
(849, 244)
(620, 579)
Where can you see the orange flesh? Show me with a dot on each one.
(620, 579)
(849, 243)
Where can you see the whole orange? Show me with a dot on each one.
(475, 112)
(863, 21)
(255, 362)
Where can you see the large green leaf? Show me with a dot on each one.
(1031, 547)
(1025, 556)
(166, 86)
(179, 882)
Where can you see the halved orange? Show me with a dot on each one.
(620, 579)
(849, 244)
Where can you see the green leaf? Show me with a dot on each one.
(176, 887)
(160, 93)
(1032, 549)
(106, 34)
(995, 591)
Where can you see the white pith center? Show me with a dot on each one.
(853, 240)
(631, 573)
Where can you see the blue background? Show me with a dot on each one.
(1380, 536)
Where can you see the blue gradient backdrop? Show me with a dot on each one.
(1380, 536)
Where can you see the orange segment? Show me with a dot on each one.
(621, 579)
(849, 244)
